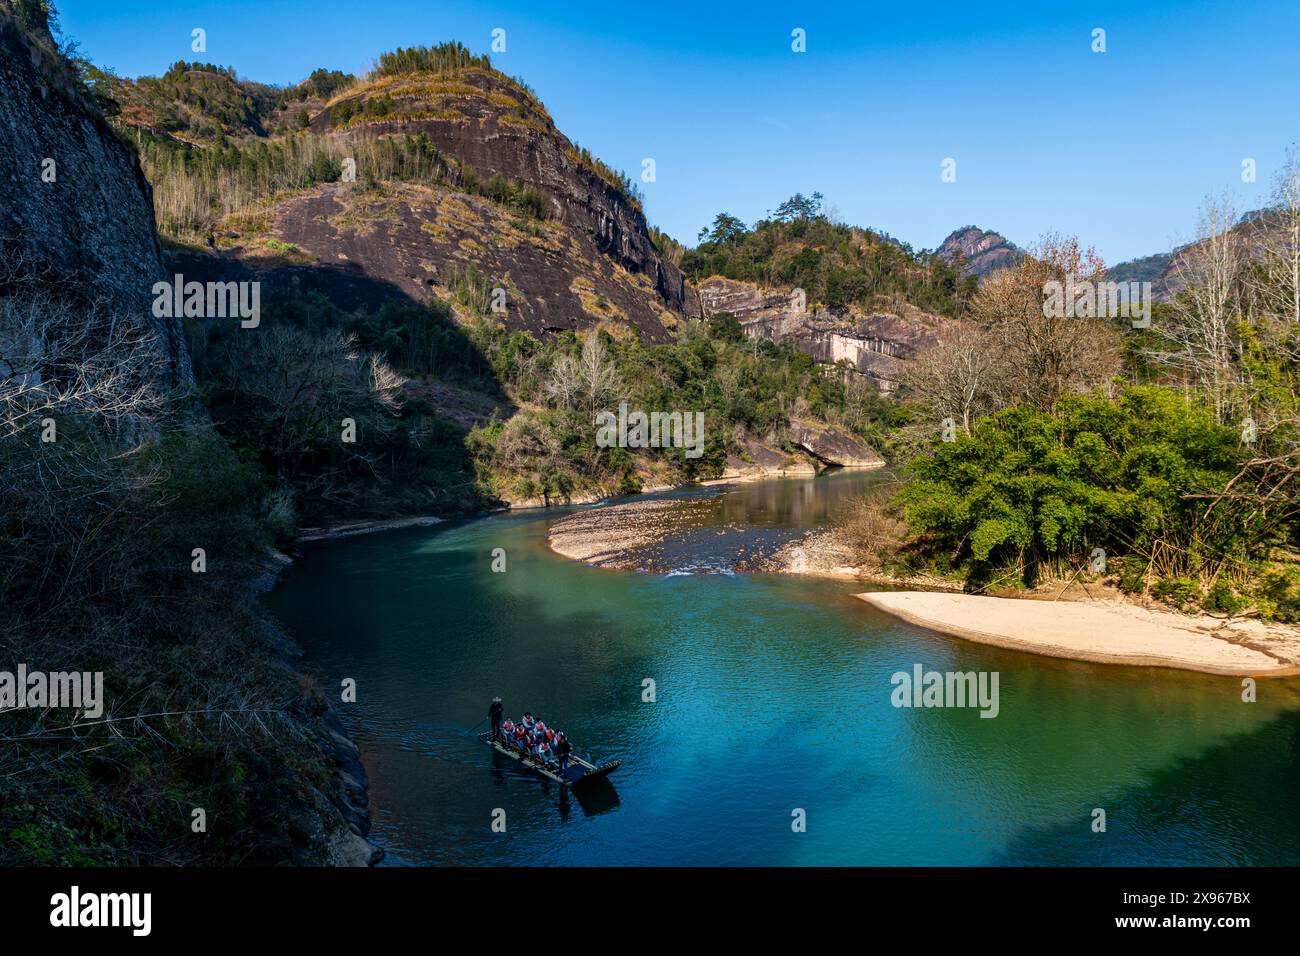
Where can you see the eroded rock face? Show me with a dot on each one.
(496, 130)
(877, 346)
(983, 251)
(75, 210)
(410, 241)
(832, 446)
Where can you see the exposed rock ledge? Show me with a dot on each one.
(355, 528)
(818, 446)
(833, 447)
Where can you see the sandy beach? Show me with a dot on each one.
(1103, 632)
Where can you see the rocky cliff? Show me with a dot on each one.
(76, 220)
(876, 345)
(982, 252)
(580, 254)
(494, 126)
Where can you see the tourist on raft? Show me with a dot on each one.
(533, 738)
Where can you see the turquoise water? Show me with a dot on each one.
(772, 694)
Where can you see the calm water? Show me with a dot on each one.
(773, 693)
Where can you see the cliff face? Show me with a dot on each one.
(413, 241)
(75, 209)
(584, 258)
(495, 127)
(877, 346)
(982, 251)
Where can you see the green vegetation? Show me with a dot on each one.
(322, 84)
(746, 390)
(1187, 482)
(836, 265)
(279, 398)
(195, 189)
(1030, 492)
(449, 57)
(98, 572)
(201, 100)
(206, 103)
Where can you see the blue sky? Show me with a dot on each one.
(1118, 147)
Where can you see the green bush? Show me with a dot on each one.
(1180, 592)
(1031, 491)
(1223, 599)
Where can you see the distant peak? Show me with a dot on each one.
(983, 251)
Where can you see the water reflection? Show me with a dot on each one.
(772, 693)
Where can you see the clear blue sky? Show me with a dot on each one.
(1119, 147)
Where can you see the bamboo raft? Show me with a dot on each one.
(577, 773)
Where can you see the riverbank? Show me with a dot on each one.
(1103, 632)
(334, 817)
(1072, 623)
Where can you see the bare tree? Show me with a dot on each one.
(1198, 331)
(287, 391)
(1042, 354)
(562, 385)
(597, 374)
(1277, 237)
(589, 381)
(955, 378)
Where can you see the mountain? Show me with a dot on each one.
(1167, 271)
(980, 252)
(463, 185)
(1145, 269)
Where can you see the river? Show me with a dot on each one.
(772, 695)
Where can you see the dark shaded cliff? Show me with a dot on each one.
(75, 211)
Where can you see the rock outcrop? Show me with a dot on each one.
(411, 241)
(76, 218)
(492, 125)
(982, 252)
(877, 345)
(831, 446)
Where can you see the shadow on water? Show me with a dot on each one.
(595, 798)
(773, 693)
(1204, 810)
